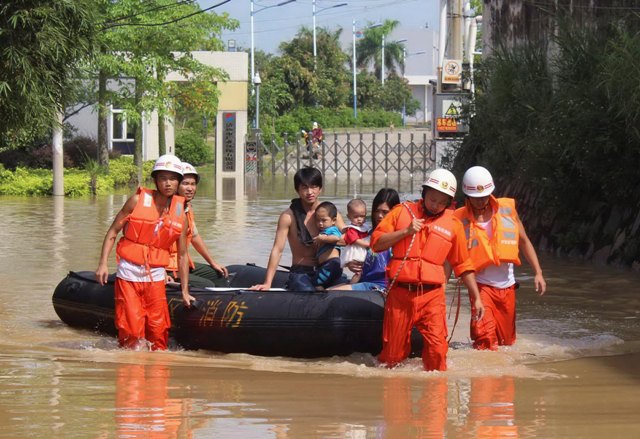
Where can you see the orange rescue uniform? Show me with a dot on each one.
(141, 309)
(498, 327)
(173, 258)
(417, 297)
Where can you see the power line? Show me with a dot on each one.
(156, 8)
(344, 12)
(175, 20)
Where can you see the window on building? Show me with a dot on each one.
(121, 129)
(122, 133)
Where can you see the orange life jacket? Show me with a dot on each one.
(431, 246)
(503, 245)
(173, 258)
(147, 236)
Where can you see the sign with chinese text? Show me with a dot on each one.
(447, 125)
(229, 142)
(448, 117)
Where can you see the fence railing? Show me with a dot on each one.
(373, 156)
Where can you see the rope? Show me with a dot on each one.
(458, 288)
(406, 255)
(404, 260)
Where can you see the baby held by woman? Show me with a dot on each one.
(356, 235)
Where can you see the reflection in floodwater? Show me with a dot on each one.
(149, 404)
(482, 407)
(144, 407)
(58, 238)
(415, 408)
(491, 409)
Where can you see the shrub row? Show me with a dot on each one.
(302, 118)
(77, 181)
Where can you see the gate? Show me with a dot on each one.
(399, 158)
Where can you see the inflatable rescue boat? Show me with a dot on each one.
(233, 319)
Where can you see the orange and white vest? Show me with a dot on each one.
(503, 245)
(173, 258)
(148, 236)
(431, 246)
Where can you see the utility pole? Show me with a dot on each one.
(455, 51)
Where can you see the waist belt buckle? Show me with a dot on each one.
(419, 289)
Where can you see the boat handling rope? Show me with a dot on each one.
(404, 260)
(458, 289)
(406, 255)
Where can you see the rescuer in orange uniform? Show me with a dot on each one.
(495, 235)
(424, 235)
(200, 275)
(151, 221)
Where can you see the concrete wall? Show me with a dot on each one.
(421, 90)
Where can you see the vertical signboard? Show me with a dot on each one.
(229, 142)
(449, 121)
(251, 156)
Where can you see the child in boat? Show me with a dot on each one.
(296, 226)
(328, 255)
(356, 236)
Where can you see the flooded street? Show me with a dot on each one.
(574, 371)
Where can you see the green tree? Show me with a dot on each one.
(328, 77)
(41, 44)
(396, 94)
(369, 49)
(370, 94)
(143, 42)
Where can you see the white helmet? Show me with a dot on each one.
(167, 162)
(443, 181)
(188, 169)
(315, 124)
(477, 182)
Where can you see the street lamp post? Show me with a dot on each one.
(257, 81)
(314, 13)
(355, 98)
(382, 61)
(252, 13)
(404, 65)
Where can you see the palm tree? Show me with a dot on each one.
(369, 49)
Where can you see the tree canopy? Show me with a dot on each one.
(143, 42)
(369, 49)
(293, 80)
(41, 44)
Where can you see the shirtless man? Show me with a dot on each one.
(308, 184)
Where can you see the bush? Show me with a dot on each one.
(192, 148)
(33, 156)
(77, 182)
(76, 152)
(302, 118)
(80, 149)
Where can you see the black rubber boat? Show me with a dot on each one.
(268, 323)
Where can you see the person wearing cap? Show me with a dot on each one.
(200, 275)
(424, 236)
(495, 236)
(150, 221)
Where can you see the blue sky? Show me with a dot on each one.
(277, 24)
